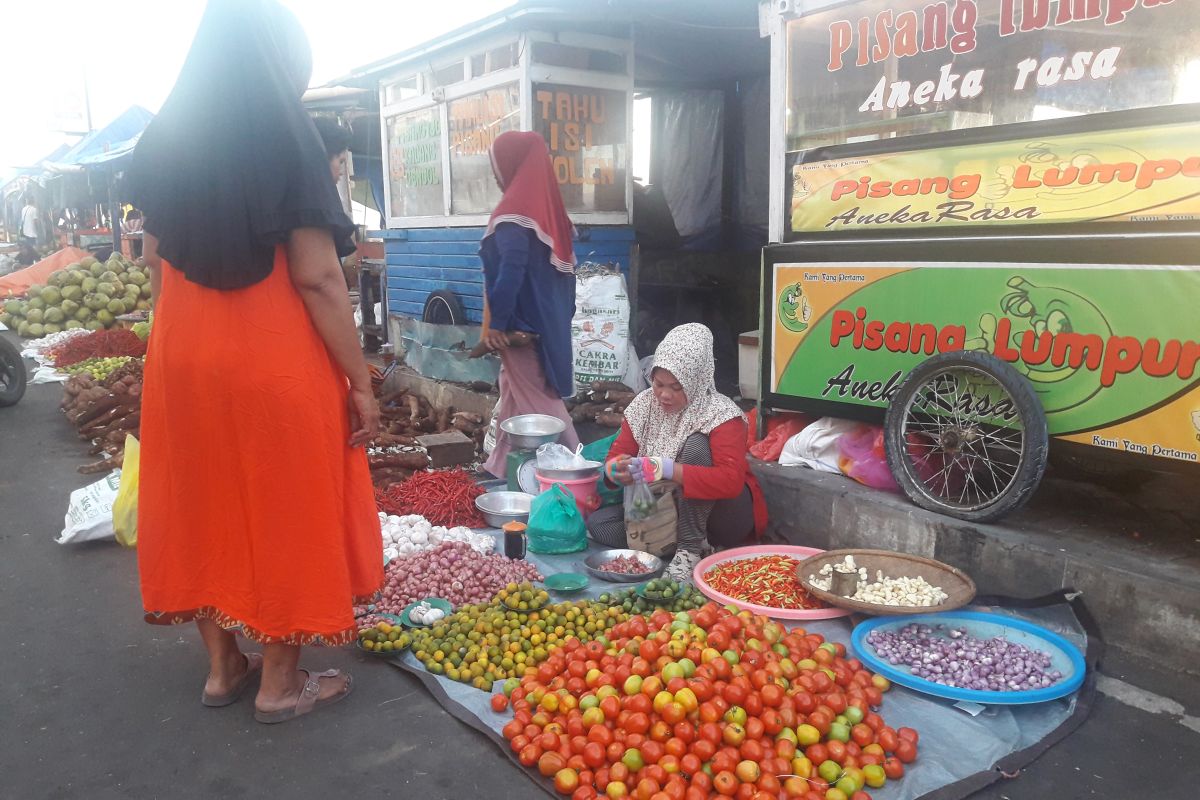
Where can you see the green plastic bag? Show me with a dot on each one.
(555, 523)
(598, 451)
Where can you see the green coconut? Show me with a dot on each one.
(57, 277)
(105, 317)
(14, 307)
(94, 325)
(36, 330)
(35, 302)
(75, 277)
(106, 287)
(116, 306)
(51, 327)
(146, 290)
(23, 329)
(89, 284)
(34, 315)
(97, 269)
(72, 324)
(72, 293)
(83, 314)
(7, 319)
(69, 307)
(51, 296)
(88, 262)
(53, 315)
(142, 305)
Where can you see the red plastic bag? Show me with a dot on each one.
(780, 428)
(863, 458)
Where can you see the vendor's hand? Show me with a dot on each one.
(650, 470)
(617, 470)
(494, 339)
(364, 417)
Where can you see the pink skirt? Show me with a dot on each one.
(524, 390)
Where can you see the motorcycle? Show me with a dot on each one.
(12, 373)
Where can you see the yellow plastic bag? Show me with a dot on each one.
(125, 506)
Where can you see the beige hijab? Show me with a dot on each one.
(687, 353)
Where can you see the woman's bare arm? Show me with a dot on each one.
(154, 263)
(317, 276)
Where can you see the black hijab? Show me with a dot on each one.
(233, 162)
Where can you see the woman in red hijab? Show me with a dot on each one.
(529, 275)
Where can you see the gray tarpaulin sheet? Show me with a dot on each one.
(954, 745)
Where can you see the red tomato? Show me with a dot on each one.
(770, 784)
(725, 783)
(593, 754)
(652, 752)
(862, 735)
(704, 749)
(751, 750)
(614, 751)
(645, 789)
(618, 772)
(734, 694)
(637, 723)
(584, 792)
(723, 761)
(820, 721)
(772, 695)
(837, 750)
(566, 781)
(685, 731)
(893, 768)
(817, 754)
(519, 742)
(906, 751)
(754, 728)
(805, 703)
(550, 763)
(711, 732)
(690, 764)
(888, 739)
(909, 733)
(676, 747)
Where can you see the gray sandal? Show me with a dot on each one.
(254, 663)
(308, 699)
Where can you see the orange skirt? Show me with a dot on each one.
(253, 511)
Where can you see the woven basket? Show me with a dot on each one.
(656, 534)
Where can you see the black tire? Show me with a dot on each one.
(917, 440)
(444, 308)
(12, 374)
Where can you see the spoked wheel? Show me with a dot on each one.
(966, 436)
(12, 374)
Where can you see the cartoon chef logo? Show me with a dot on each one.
(1196, 423)
(794, 310)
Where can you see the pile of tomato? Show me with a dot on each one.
(709, 704)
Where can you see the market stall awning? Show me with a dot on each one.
(115, 140)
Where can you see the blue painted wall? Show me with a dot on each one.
(424, 260)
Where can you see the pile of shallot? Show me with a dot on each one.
(952, 657)
(452, 571)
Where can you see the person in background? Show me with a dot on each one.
(337, 145)
(132, 226)
(256, 512)
(529, 279)
(28, 231)
(683, 430)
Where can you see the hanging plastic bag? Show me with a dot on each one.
(555, 523)
(125, 507)
(639, 501)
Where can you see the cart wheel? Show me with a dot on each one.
(444, 308)
(966, 436)
(12, 374)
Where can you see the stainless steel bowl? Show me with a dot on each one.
(531, 431)
(501, 507)
(590, 471)
(592, 565)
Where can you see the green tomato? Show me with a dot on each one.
(840, 732)
(829, 771)
(854, 715)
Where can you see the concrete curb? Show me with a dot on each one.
(1149, 607)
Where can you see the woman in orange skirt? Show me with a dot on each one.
(256, 514)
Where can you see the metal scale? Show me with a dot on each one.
(526, 433)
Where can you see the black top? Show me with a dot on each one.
(233, 162)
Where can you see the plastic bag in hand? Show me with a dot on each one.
(639, 501)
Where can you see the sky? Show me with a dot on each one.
(129, 53)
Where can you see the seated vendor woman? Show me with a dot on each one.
(681, 429)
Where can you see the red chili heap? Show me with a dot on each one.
(444, 498)
(97, 344)
(768, 581)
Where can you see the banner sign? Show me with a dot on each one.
(1111, 350)
(585, 131)
(1141, 175)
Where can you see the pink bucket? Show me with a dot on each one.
(585, 491)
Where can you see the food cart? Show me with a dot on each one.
(986, 215)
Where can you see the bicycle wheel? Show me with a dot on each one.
(966, 436)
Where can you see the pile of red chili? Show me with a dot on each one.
(769, 581)
(97, 344)
(444, 498)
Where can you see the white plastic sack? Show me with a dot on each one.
(493, 430)
(817, 445)
(89, 514)
(600, 329)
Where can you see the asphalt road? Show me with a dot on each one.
(96, 704)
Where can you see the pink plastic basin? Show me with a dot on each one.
(738, 553)
(585, 491)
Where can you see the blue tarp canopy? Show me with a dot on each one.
(114, 141)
